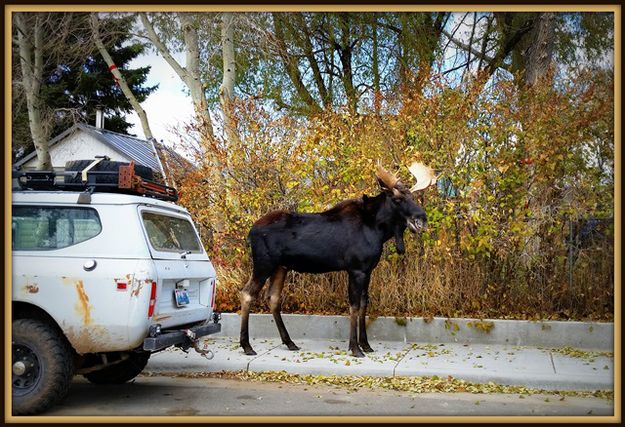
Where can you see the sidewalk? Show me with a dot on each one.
(507, 364)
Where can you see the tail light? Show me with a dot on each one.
(152, 300)
(213, 295)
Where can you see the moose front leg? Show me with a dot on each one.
(362, 318)
(356, 284)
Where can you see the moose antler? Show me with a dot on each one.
(387, 178)
(424, 175)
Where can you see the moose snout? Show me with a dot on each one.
(417, 222)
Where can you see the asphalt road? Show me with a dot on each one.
(166, 396)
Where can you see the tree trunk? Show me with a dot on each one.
(121, 81)
(291, 65)
(375, 65)
(31, 62)
(226, 91)
(539, 53)
(345, 55)
(193, 79)
(301, 30)
(190, 74)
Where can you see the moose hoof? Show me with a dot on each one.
(366, 348)
(291, 346)
(357, 353)
(249, 351)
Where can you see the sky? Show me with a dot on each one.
(168, 105)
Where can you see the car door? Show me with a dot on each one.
(59, 267)
(185, 275)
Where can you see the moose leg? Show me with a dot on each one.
(248, 294)
(276, 283)
(362, 323)
(354, 291)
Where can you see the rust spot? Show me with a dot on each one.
(161, 317)
(138, 285)
(82, 306)
(136, 289)
(92, 339)
(68, 280)
(32, 288)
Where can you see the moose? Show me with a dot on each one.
(347, 237)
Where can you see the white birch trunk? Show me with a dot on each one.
(145, 125)
(190, 73)
(31, 63)
(226, 91)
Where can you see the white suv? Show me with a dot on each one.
(98, 286)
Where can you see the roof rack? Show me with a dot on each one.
(122, 181)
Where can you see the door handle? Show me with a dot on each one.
(89, 265)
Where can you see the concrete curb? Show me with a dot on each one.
(480, 363)
(549, 334)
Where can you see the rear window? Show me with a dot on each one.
(49, 227)
(170, 234)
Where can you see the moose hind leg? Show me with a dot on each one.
(248, 294)
(276, 284)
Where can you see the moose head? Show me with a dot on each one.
(401, 196)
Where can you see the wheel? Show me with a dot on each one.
(120, 372)
(42, 366)
(106, 166)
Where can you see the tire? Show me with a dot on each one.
(49, 366)
(105, 166)
(120, 372)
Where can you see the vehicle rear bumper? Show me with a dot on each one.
(169, 338)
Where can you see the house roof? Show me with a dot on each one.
(139, 150)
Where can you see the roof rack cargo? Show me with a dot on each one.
(123, 180)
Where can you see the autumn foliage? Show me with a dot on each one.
(519, 169)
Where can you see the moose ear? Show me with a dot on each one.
(390, 191)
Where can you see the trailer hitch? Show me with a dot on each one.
(202, 349)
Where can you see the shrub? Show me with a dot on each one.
(515, 166)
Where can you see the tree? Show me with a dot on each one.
(226, 90)
(183, 29)
(527, 43)
(74, 86)
(34, 47)
(131, 98)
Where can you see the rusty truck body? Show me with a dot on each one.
(104, 284)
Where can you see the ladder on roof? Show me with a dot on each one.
(125, 180)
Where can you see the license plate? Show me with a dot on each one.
(182, 297)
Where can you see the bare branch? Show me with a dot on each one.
(162, 49)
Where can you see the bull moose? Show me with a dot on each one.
(348, 237)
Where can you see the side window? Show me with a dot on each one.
(47, 228)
